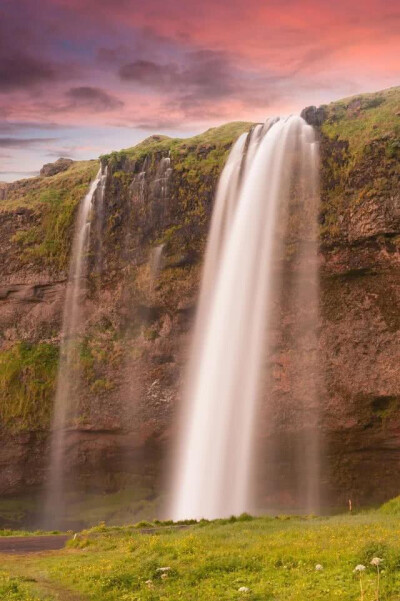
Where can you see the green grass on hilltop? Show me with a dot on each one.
(217, 136)
(364, 118)
(274, 558)
(53, 201)
(36, 191)
(360, 152)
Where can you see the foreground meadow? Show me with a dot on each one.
(288, 559)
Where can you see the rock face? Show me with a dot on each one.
(134, 347)
(313, 115)
(59, 165)
(3, 190)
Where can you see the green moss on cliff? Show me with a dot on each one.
(27, 385)
(53, 201)
(181, 223)
(162, 145)
(360, 147)
(364, 118)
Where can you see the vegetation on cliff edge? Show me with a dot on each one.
(360, 168)
(52, 202)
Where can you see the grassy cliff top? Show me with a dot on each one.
(45, 239)
(361, 119)
(36, 191)
(360, 168)
(216, 137)
(358, 120)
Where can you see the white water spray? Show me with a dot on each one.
(215, 450)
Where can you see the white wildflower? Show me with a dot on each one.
(318, 567)
(163, 569)
(376, 561)
(359, 568)
(244, 589)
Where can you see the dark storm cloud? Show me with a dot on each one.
(21, 71)
(151, 74)
(210, 74)
(112, 56)
(22, 65)
(94, 98)
(203, 82)
(24, 142)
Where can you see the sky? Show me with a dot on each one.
(82, 77)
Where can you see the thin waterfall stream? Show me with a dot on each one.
(65, 403)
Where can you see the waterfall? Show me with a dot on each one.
(156, 260)
(99, 222)
(215, 451)
(159, 185)
(65, 403)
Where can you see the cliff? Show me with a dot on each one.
(134, 346)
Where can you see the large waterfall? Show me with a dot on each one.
(267, 170)
(66, 401)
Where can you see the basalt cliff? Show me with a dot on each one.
(145, 257)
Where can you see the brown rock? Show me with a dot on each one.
(53, 168)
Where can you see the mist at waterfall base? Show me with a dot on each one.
(240, 448)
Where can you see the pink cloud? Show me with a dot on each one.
(166, 64)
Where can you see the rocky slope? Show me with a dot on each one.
(134, 346)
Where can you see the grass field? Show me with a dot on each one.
(272, 558)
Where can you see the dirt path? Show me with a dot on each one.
(50, 591)
(31, 544)
(54, 591)
(22, 567)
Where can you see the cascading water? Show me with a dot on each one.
(216, 444)
(65, 403)
(99, 223)
(156, 259)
